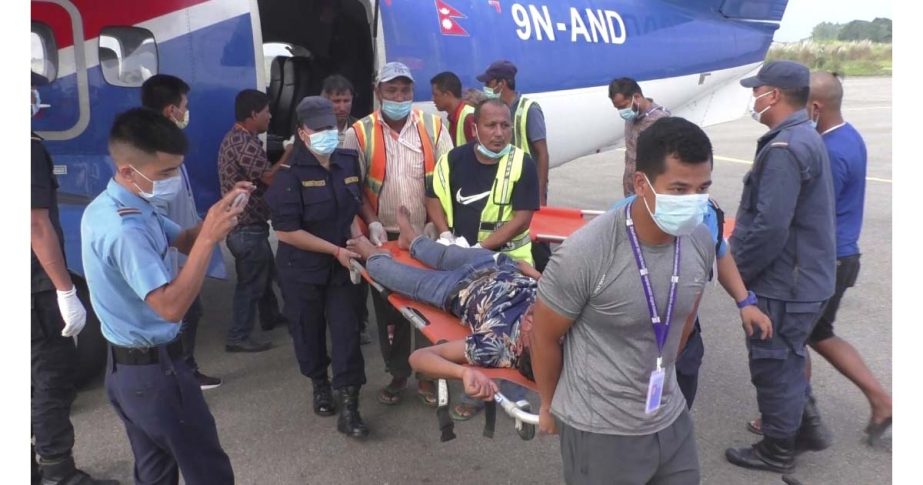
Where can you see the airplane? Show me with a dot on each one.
(688, 54)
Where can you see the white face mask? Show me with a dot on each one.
(164, 190)
(182, 124)
(757, 115)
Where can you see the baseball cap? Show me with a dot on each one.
(499, 70)
(780, 74)
(316, 112)
(394, 70)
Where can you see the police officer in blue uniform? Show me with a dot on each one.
(58, 316)
(314, 202)
(140, 295)
(785, 248)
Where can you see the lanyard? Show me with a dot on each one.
(661, 327)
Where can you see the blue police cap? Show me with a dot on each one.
(316, 112)
(38, 79)
(780, 74)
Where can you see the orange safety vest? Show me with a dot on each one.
(371, 137)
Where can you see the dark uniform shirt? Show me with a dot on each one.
(784, 240)
(241, 157)
(44, 196)
(306, 196)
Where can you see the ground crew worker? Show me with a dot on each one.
(528, 133)
(57, 317)
(340, 92)
(398, 149)
(486, 191)
(639, 113)
(528, 120)
(447, 96)
(129, 255)
(784, 244)
(314, 203)
(168, 95)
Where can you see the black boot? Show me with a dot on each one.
(771, 454)
(323, 398)
(813, 435)
(349, 422)
(61, 471)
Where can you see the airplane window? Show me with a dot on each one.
(127, 55)
(44, 51)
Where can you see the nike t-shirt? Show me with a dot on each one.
(471, 182)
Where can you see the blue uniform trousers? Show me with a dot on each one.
(777, 364)
(311, 308)
(168, 422)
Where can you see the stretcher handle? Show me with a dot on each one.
(514, 411)
(412, 315)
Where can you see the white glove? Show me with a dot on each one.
(75, 316)
(476, 246)
(377, 234)
(447, 238)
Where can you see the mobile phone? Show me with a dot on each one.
(240, 201)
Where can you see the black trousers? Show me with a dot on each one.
(54, 360)
(311, 309)
(168, 422)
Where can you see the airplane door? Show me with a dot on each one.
(59, 53)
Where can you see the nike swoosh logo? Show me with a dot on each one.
(467, 200)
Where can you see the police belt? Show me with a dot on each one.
(145, 355)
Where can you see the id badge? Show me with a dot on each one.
(654, 391)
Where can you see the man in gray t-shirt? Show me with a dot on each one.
(599, 387)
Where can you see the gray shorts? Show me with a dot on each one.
(668, 457)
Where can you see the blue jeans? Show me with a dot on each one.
(256, 271)
(451, 265)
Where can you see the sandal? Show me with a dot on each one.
(391, 394)
(755, 426)
(876, 431)
(464, 411)
(427, 395)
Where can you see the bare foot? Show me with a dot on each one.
(408, 233)
(363, 247)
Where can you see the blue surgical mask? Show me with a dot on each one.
(677, 215)
(487, 152)
(629, 113)
(490, 93)
(395, 110)
(163, 190)
(814, 121)
(323, 143)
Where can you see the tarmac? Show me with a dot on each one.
(263, 409)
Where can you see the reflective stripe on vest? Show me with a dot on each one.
(498, 209)
(520, 135)
(460, 138)
(372, 145)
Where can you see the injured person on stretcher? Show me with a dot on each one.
(489, 292)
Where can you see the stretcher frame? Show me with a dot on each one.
(550, 224)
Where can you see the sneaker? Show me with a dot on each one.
(248, 345)
(206, 382)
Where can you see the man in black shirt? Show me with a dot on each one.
(486, 191)
(57, 317)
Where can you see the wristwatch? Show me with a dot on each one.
(749, 300)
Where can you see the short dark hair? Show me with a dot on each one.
(674, 136)
(494, 102)
(796, 97)
(249, 101)
(625, 86)
(448, 82)
(148, 131)
(162, 90)
(337, 84)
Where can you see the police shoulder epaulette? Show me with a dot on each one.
(282, 165)
(37, 138)
(128, 211)
(350, 152)
(779, 144)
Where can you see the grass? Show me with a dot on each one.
(856, 58)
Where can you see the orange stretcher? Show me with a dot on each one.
(549, 224)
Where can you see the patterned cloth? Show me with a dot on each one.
(493, 306)
(241, 157)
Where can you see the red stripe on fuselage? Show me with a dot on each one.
(97, 14)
